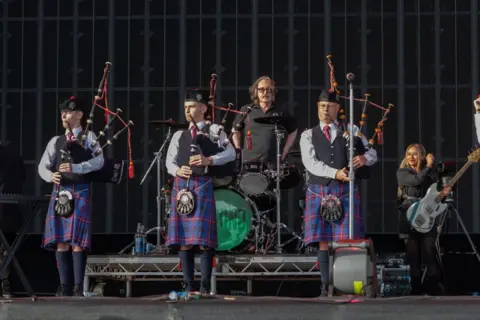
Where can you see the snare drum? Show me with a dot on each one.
(253, 179)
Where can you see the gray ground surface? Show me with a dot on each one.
(242, 308)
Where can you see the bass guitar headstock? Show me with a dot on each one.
(474, 154)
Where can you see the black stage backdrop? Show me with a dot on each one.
(420, 55)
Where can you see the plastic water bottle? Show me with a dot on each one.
(144, 240)
(139, 241)
(149, 248)
(173, 296)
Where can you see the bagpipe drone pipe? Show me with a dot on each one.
(360, 146)
(76, 151)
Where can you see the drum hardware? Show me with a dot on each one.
(158, 161)
(158, 249)
(170, 124)
(277, 120)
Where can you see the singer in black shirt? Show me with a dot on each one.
(261, 143)
(416, 174)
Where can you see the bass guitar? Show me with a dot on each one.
(422, 214)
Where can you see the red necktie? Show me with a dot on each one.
(69, 136)
(193, 130)
(326, 131)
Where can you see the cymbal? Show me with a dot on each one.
(295, 153)
(281, 120)
(169, 123)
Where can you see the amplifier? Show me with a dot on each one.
(393, 275)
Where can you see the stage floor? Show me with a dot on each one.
(419, 307)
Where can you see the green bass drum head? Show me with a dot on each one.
(234, 219)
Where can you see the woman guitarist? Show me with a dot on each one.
(416, 174)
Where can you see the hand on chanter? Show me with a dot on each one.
(342, 175)
(56, 177)
(65, 167)
(184, 172)
(199, 160)
(359, 161)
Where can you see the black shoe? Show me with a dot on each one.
(205, 288)
(188, 286)
(63, 291)
(432, 287)
(206, 266)
(324, 290)
(77, 291)
(416, 286)
(6, 291)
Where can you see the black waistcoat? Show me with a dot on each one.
(74, 153)
(206, 147)
(335, 155)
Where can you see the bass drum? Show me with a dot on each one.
(238, 220)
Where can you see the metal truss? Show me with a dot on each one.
(227, 267)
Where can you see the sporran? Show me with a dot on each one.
(186, 201)
(331, 209)
(64, 204)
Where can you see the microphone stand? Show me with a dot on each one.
(279, 136)
(158, 161)
(351, 172)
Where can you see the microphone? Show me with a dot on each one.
(350, 77)
(238, 126)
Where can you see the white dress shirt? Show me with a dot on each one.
(48, 157)
(319, 168)
(217, 160)
(476, 117)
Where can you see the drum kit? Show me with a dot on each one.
(247, 204)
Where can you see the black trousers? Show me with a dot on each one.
(419, 247)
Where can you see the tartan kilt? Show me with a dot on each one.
(317, 229)
(200, 227)
(75, 230)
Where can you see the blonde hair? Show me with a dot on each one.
(253, 89)
(422, 154)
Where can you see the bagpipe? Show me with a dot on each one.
(209, 147)
(76, 151)
(361, 146)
